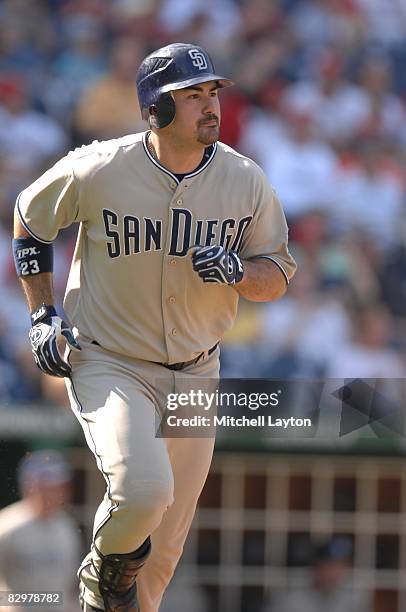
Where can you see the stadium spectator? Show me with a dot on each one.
(27, 39)
(108, 108)
(369, 196)
(301, 167)
(213, 23)
(39, 541)
(368, 354)
(330, 586)
(392, 281)
(318, 23)
(263, 127)
(385, 21)
(385, 28)
(28, 139)
(338, 107)
(82, 61)
(260, 18)
(387, 116)
(306, 329)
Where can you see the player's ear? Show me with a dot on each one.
(152, 116)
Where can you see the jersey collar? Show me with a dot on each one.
(168, 172)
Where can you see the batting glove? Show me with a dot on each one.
(216, 265)
(48, 335)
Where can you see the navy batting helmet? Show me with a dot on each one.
(172, 67)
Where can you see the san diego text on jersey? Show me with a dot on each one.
(130, 234)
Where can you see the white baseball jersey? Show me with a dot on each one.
(131, 287)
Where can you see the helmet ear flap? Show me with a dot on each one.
(162, 113)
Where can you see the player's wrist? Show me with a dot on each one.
(239, 268)
(42, 312)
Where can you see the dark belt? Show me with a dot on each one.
(184, 364)
(181, 364)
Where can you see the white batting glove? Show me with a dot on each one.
(48, 336)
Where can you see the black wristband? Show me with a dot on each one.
(42, 312)
(32, 256)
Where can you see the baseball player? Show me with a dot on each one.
(29, 528)
(174, 226)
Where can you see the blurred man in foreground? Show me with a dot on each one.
(39, 541)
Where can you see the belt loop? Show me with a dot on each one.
(202, 354)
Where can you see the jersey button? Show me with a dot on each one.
(174, 331)
(172, 262)
(179, 202)
(173, 185)
(171, 299)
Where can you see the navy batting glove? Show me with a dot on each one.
(216, 265)
(48, 334)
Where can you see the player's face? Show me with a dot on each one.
(197, 116)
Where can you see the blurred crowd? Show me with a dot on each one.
(319, 103)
